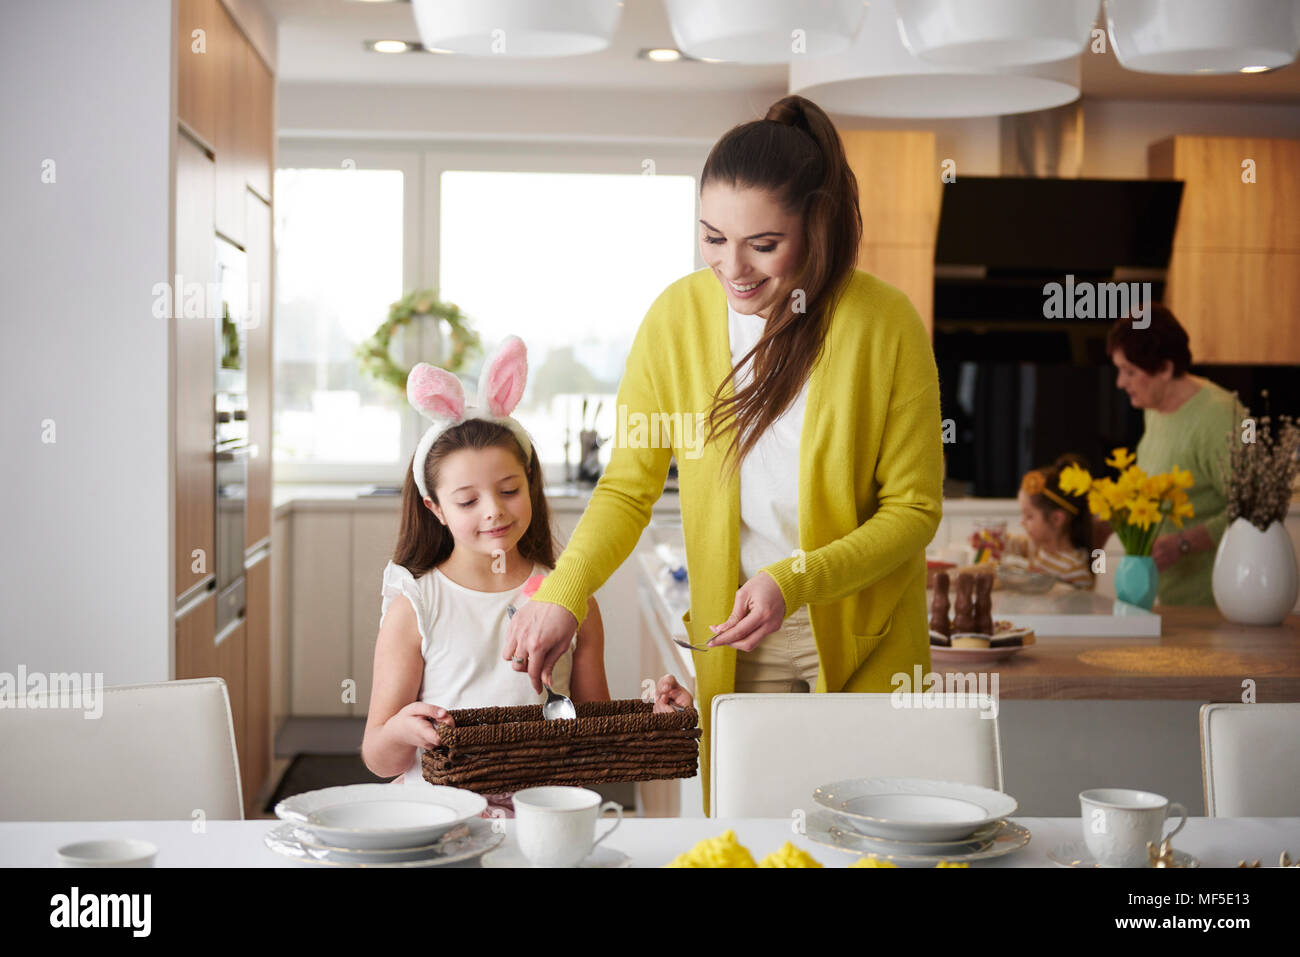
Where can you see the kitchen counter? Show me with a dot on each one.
(352, 497)
(1199, 656)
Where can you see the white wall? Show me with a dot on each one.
(85, 567)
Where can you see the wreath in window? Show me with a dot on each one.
(375, 357)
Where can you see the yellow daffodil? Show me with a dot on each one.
(1075, 480)
(1143, 512)
(868, 860)
(1098, 505)
(1120, 459)
(1180, 478)
(1154, 486)
(952, 864)
(1181, 511)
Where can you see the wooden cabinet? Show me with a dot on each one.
(898, 195)
(196, 105)
(257, 518)
(255, 132)
(228, 656)
(195, 345)
(195, 654)
(257, 679)
(225, 105)
(1233, 281)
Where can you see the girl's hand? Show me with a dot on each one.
(758, 611)
(539, 635)
(669, 693)
(413, 725)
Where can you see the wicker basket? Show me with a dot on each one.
(492, 750)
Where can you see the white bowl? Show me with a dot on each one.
(378, 816)
(913, 809)
(126, 852)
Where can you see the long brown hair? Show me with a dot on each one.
(423, 542)
(795, 154)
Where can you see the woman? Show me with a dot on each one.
(807, 511)
(1186, 422)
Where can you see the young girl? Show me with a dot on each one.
(1058, 527)
(475, 527)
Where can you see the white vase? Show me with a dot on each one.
(1255, 579)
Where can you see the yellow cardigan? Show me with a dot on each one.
(870, 487)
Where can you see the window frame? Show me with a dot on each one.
(423, 164)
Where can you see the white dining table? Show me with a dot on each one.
(648, 842)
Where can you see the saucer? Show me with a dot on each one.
(1076, 854)
(822, 828)
(509, 855)
(477, 839)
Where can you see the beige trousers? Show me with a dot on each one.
(785, 661)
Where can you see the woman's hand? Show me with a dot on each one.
(668, 693)
(758, 611)
(413, 726)
(1166, 552)
(539, 635)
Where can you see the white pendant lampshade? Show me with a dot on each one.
(1203, 36)
(995, 33)
(878, 77)
(764, 31)
(517, 28)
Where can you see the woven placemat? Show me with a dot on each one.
(1178, 661)
(510, 748)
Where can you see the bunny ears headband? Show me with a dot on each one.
(439, 396)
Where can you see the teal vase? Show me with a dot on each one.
(1136, 579)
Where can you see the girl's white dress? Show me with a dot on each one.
(462, 636)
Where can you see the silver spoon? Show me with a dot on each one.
(686, 644)
(557, 706)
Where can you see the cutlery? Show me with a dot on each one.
(686, 644)
(557, 706)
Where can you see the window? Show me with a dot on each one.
(339, 235)
(565, 246)
(569, 262)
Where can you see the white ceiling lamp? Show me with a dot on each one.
(995, 33)
(1203, 36)
(517, 28)
(878, 77)
(764, 31)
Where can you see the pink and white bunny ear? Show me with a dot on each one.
(502, 384)
(435, 393)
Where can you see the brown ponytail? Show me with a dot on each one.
(423, 542)
(794, 153)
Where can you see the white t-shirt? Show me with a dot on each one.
(769, 474)
(462, 633)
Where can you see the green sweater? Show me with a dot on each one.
(1195, 437)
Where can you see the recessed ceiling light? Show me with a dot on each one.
(391, 46)
(662, 54)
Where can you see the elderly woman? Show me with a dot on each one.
(807, 512)
(1186, 422)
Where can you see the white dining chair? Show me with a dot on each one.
(155, 752)
(1250, 759)
(769, 751)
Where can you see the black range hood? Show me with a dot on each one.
(1001, 239)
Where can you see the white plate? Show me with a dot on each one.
(478, 840)
(1076, 854)
(382, 855)
(509, 855)
(822, 828)
(378, 816)
(974, 656)
(982, 837)
(913, 809)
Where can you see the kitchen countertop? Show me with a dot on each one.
(332, 496)
(1199, 656)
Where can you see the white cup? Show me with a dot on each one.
(1119, 822)
(556, 826)
(108, 853)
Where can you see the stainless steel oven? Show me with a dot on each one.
(232, 449)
